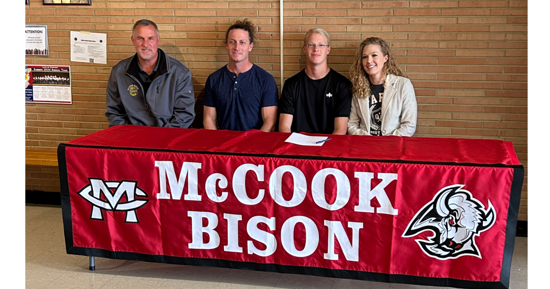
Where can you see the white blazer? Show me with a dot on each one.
(399, 110)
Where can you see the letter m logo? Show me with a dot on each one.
(113, 192)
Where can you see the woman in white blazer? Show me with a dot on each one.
(383, 100)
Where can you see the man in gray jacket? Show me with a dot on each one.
(150, 88)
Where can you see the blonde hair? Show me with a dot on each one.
(359, 78)
(318, 31)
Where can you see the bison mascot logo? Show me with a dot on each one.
(455, 218)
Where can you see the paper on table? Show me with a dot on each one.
(305, 140)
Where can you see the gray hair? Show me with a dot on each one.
(145, 22)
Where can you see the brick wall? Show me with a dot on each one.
(467, 59)
(42, 178)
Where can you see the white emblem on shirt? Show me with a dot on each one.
(329, 94)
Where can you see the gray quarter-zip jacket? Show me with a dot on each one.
(169, 101)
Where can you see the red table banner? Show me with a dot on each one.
(392, 209)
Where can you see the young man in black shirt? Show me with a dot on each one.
(316, 99)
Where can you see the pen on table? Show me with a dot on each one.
(321, 141)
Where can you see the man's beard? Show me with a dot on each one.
(146, 56)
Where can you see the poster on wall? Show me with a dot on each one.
(88, 47)
(67, 2)
(36, 40)
(48, 84)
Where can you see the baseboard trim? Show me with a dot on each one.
(42, 198)
(521, 229)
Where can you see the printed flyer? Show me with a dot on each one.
(48, 84)
(36, 40)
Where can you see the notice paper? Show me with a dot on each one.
(36, 40)
(88, 47)
(306, 140)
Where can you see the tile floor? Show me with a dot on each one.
(49, 266)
